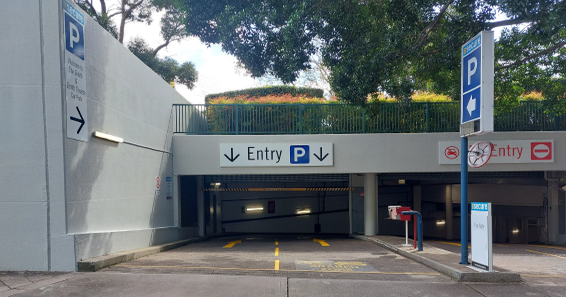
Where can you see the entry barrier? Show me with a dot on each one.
(274, 189)
(419, 221)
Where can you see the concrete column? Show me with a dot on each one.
(417, 198)
(176, 201)
(552, 211)
(350, 203)
(449, 216)
(370, 204)
(200, 202)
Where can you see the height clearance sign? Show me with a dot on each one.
(477, 85)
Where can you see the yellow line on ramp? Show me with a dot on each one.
(233, 243)
(322, 242)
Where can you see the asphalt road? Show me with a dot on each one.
(270, 266)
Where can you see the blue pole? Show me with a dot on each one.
(464, 200)
(419, 223)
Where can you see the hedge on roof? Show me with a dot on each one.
(271, 90)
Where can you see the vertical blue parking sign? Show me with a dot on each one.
(477, 83)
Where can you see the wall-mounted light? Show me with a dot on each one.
(515, 231)
(440, 222)
(303, 211)
(401, 181)
(108, 137)
(249, 209)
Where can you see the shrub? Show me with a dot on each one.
(266, 91)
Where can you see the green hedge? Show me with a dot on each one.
(274, 90)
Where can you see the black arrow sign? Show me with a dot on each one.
(321, 158)
(231, 158)
(81, 120)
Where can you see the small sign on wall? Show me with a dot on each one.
(157, 185)
(169, 181)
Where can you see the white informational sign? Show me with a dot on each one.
(75, 73)
(482, 255)
(157, 185)
(276, 154)
(503, 152)
(477, 84)
(169, 180)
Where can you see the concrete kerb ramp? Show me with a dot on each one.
(427, 256)
(98, 263)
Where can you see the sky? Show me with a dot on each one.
(217, 71)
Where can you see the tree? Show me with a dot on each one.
(395, 47)
(127, 10)
(167, 68)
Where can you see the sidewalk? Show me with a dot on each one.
(441, 260)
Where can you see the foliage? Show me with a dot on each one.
(270, 90)
(167, 68)
(532, 96)
(269, 99)
(396, 47)
(422, 96)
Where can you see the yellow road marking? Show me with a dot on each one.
(543, 275)
(548, 246)
(546, 254)
(501, 245)
(276, 242)
(276, 251)
(266, 269)
(231, 244)
(453, 243)
(322, 242)
(276, 265)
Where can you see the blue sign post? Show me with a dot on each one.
(476, 112)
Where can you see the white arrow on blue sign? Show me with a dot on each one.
(477, 83)
(471, 79)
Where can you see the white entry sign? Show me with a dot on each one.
(276, 154)
(503, 152)
(75, 73)
(482, 242)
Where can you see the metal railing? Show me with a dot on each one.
(333, 118)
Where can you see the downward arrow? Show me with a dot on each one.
(81, 120)
(321, 158)
(471, 105)
(231, 158)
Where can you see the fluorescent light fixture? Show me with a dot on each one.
(515, 231)
(440, 222)
(108, 137)
(401, 181)
(217, 184)
(254, 208)
(303, 211)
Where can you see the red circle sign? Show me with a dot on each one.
(451, 152)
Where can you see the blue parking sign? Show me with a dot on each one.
(300, 154)
(74, 37)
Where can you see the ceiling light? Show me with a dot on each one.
(254, 209)
(303, 211)
(441, 222)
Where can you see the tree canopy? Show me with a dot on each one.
(392, 46)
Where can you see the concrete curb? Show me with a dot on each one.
(97, 263)
(490, 277)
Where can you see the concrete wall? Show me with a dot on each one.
(63, 199)
(355, 153)
(112, 203)
(32, 205)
